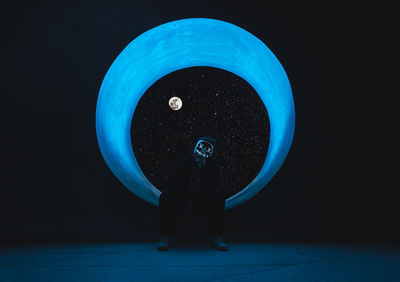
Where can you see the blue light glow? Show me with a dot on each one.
(182, 44)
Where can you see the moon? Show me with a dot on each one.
(175, 103)
(182, 44)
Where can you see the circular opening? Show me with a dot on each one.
(214, 103)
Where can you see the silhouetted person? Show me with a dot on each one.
(194, 187)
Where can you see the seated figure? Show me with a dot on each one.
(194, 187)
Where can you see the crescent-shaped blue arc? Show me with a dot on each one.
(182, 44)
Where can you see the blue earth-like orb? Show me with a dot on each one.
(182, 44)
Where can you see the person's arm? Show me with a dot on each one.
(177, 177)
(213, 179)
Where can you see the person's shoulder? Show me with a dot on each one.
(180, 168)
(187, 159)
(185, 162)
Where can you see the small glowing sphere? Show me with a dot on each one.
(175, 103)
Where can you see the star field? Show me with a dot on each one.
(216, 103)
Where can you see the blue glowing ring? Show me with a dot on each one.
(182, 44)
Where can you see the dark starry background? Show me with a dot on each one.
(338, 180)
(216, 103)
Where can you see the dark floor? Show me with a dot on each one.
(198, 262)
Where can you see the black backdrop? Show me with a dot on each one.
(335, 183)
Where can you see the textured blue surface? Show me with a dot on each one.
(181, 44)
(197, 262)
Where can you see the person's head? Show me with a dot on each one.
(204, 149)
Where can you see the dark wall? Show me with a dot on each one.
(337, 178)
